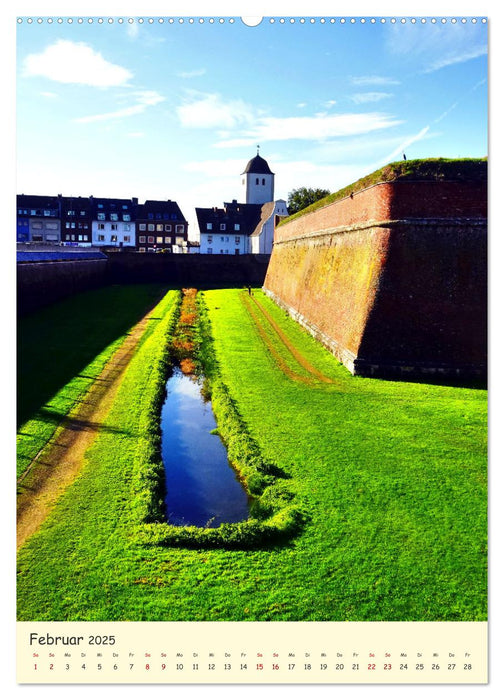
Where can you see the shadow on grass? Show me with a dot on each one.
(47, 415)
(56, 343)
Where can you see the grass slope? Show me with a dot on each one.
(392, 476)
(432, 169)
(61, 351)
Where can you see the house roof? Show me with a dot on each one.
(257, 165)
(247, 215)
(156, 206)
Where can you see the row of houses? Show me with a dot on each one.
(102, 222)
(236, 228)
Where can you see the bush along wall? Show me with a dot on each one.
(274, 514)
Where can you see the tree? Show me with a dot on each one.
(303, 197)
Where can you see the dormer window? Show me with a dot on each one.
(209, 227)
(223, 227)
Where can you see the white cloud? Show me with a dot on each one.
(436, 46)
(373, 80)
(148, 98)
(50, 95)
(403, 146)
(460, 57)
(316, 128)
(330, 103)
(301, 104)
(196, 73)
(75, 62)
(363, 97)
(208, 111)
(133, 29)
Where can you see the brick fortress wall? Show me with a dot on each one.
(392, 279)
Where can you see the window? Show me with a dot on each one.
(141, 250)
(223, 227)
(222, 238)
(158, 216)
(71, 212)
(142, 227)
(237, 227)
(141, 239)
(101, 227)
(209, 239)
(100, 206)
(101, 237)
(263, 181)
(167, 239)
(37, 224)
(209, 227)
(159, 227)
(159, 239)
(114, 217)
(67, 224)
(127, 227)
(237, 251)
(150, 227)
(126, 217)
(127, 239)
(37, 237)
(52, 225)
(82, 213)
(167, 227)
(179, 228)
(47, 212)
(113, 227)
(209, 251)
(150, 215)
(113, 238)
(101, 216)
(179, 240)
(150, 239)
(80, 236)
(257, 180)
(237, 240)
(51, 237)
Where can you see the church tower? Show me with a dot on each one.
(258, 182)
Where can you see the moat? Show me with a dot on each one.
(201, 486)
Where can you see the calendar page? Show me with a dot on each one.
(251, 258)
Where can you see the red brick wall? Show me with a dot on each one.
(408, 293)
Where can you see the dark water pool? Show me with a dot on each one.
(202, 487)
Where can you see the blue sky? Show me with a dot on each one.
(175, 110)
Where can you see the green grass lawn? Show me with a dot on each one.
(62, 349)
(392, 476)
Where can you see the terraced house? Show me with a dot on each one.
(76, 221)
(161, 227)
(38, 219)
(113, 222)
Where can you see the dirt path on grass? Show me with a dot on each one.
(253, 306)
(58, 464)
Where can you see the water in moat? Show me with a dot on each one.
(201, 486)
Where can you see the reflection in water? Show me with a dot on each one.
(202, 488)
